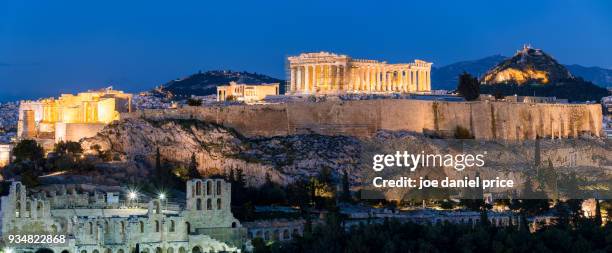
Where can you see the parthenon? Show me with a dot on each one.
(329, 73)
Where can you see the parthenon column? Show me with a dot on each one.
(307, 80)
(412, 82)
(296, 84)
(378, 70)
(407, 80)
(363, 79)
(401, 80)
(421, 83)
(292, 77)
(368, 74)
(384, 80)
(428, 79)
(351, 78)
(338, 78)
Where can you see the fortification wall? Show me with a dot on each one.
(76, 131)
(485, 120)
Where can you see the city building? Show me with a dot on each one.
(276, 229)
(5, 154)
(246, 92)
(71, 117)
(328, 73)
(525, 99)
(103, 223)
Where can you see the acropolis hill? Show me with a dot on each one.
(484, 119)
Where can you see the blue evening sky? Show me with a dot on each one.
(49, 47)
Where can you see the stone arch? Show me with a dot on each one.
(108, 250)
(18, 209)
(208, 204)
(65, 251)
(198, 188)
(286, 235)
(90, 228)
(95, 251)
(219, 203)
(267, 235)
(120, 251)
(182, 250)
(234, 224)
(208, 187)
(170, 250)
(39, 208)
(141, 224)
(106, 228)
(196, 249)
(219, 184)
(158, 250)
(188, 227)
(259, 234)
(199, 204)
(83, 251)
(28, 210)
(157, 227)
(295, 232)
(44, 250)
(172, 226)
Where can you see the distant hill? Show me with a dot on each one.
(533, 72)
(527, 66)
(597, 75)
(205, 83)
(445, 77)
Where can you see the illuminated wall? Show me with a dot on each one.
(5, 154)
(246, 92)
(41, 118)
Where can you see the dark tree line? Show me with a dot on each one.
(393, 236)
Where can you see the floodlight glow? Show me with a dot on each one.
(132, 195)
(162, 196)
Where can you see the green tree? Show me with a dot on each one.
(468, 87)
(193, 167)
(194, 102)
(346, 191)
(597, 212)
(71, 148)
(28, 150)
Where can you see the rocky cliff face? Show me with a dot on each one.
(527, 66)
(287, 158)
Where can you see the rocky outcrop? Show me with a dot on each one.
(527, 66)
(288, 158)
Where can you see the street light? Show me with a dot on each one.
(162, 196)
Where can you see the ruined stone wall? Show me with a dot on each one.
(484, 120)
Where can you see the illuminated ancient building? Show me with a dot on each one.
(115, 222)
(328, 73)
(71, 117)
(5, 154)
(246, 92)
